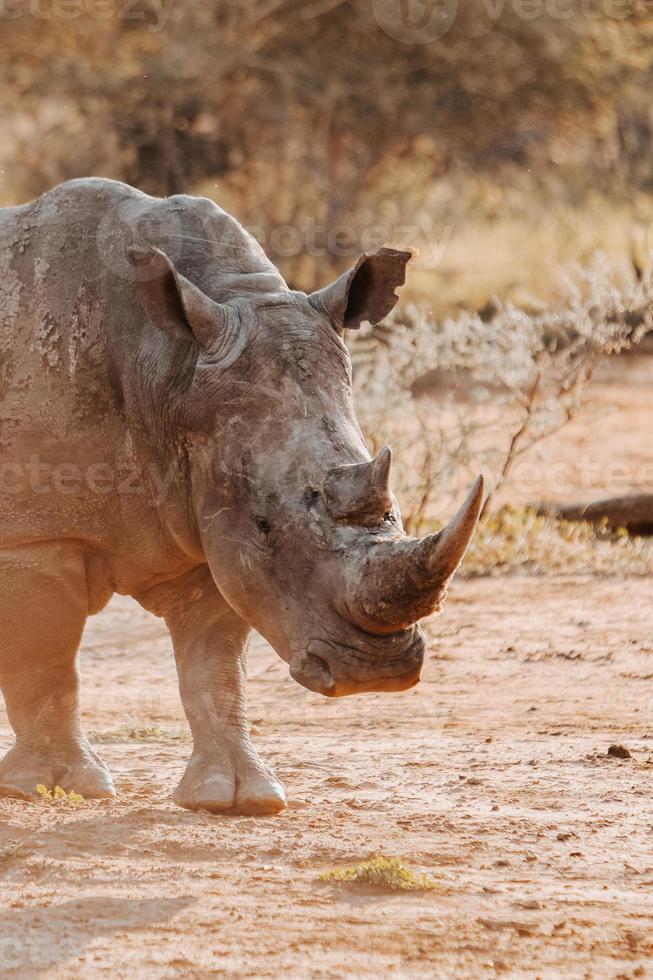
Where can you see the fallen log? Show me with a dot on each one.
(633, 511)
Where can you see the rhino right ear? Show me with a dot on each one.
(173, 302)
(367, 292)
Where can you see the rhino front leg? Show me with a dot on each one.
(225, 772)
(43, 608)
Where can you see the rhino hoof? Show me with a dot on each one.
(21, 772)
(260, 796)
(92, 782)
(215, 793)
(257, 793)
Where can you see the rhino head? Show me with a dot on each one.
(298, 524)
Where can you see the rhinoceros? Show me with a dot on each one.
(177, 426)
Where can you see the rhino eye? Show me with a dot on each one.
(389, 517)
(262, 525)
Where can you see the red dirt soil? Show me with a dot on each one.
(492, 776)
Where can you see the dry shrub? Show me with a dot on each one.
(477, 391)
(304, 110)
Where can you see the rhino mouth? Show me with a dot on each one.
(338, 671)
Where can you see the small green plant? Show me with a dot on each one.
(382, 872)
(58, 796)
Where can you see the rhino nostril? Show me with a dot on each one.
(312, 672)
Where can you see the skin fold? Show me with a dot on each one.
(177, 425)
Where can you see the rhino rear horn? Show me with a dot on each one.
(361, 491)
(367, 292)
(173, 302)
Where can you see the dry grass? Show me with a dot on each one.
(140, 733)
(520, 539)
(498, 235)
(380, 872)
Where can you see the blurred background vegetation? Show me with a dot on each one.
(514, 144)
(508, 140)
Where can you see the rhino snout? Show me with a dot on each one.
(338, 670)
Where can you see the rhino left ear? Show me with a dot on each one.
(174, 303)
(367, 292)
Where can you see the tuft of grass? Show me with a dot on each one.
(58, 796)
(140, 733)
(381, 872)
(518, 538)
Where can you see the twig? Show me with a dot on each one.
(513, 451)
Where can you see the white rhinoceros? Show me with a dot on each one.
(177, 425)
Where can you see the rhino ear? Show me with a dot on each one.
(367, 292)
(173, 302)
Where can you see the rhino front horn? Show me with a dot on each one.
(406, 580)
(443, 552)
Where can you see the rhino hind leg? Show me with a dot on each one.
(225, 773)
(43, 608)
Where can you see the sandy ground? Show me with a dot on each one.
(492, 777)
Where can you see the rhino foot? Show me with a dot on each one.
(238, 783)
(80, 771)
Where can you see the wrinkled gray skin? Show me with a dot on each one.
(177, 425)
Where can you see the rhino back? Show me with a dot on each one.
(83, 375)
